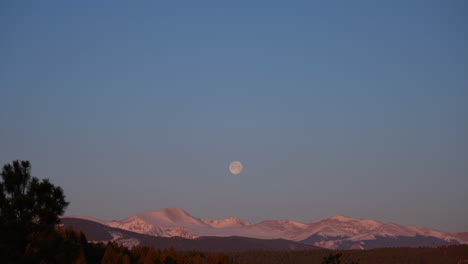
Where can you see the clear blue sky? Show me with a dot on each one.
(355, 108)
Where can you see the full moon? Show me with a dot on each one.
(235, 167)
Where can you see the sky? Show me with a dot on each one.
(355, 108)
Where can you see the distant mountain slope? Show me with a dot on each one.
(346, 233)
(462, 235)
(98, 232)
(340, 232)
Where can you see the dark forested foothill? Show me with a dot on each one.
(445, 254)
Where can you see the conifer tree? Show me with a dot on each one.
(29, 210)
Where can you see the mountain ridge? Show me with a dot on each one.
(333, 232)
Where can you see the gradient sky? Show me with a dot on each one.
(354, 108)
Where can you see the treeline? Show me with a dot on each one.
(447, 254)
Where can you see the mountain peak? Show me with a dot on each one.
(173, 211)
(342, 218)
(170, 217)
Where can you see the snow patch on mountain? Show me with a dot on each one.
(148, 226)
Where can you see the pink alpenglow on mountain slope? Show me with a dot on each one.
(334, 232)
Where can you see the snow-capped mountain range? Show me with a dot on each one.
(336, 232)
